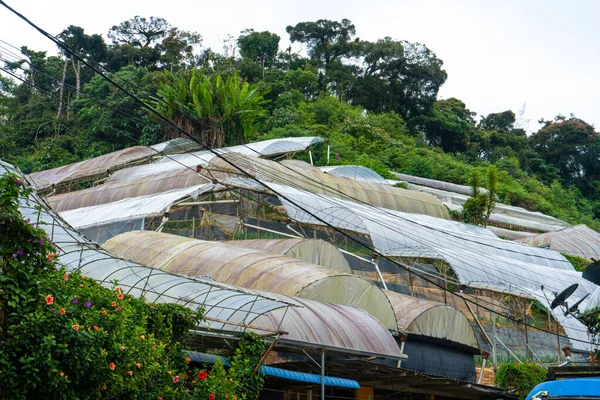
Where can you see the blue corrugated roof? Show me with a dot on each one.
(282, 373)
(576, 387)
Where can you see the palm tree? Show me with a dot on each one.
(218, 112)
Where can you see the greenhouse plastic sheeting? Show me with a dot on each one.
(356, 172)
(502, 214)
(89, 168)
(314, 251)
(574, 329)
(132, 208)
(441, 185)
(316, 181)
(119, 190)
(478, 260)
(578, 241)
(432, 319)
(191, 160)
(176, 146)
(222, 302)
(252, 269)
(334, 325)
(475, 254)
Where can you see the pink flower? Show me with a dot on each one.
(176, 379)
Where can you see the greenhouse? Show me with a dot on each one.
(318, 252)
(577, 241)
(260, 270)
(90, 169)
(252, 269)
(114, 191)
(315, 181)
(356, 172)
(104, 221)
(266, 148)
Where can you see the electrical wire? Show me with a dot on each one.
(215, 153)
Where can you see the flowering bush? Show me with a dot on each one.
(62, 335)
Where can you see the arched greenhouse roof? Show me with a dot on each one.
(119, 190)
(432, 319)
(226, 307)
(578, 241)
(314, 251)
(315, 181)
(91, 168)
(330, 324)
(266, 148)
(356, 172)
(478, 258)
(252, 269)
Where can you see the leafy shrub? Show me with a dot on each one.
(520, 378)
(64, 336)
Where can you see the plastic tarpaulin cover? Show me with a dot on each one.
(316, 181)
(578, 241)
(314, 251)
(191, 160)
(252, 269)
(356, 172)
(89, 168)
(221, 301)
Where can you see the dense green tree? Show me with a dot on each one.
(398, 76)
(573, 147)
(449, 125)
(259, 47)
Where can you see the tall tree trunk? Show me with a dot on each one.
(76, 70)
(62, 90)
(262, 64)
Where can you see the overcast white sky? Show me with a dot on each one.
(499, 54)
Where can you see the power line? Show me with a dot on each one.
(217, 154)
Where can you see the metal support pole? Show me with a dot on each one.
(401, 352)
(481, 372)
(328, 152)
(310, 155)
(322, 374)
(494, 333)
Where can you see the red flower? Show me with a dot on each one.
(96, 328)
(202, 375)
(176, 379)
(66, 276)
(111, 366)
(160, 398)
(211, 397)
(120, 296)
(49, 300)
(63, 311)
(103, 313)
(187, 360)
(130, 373)
(50, 256)
(114, 304)
(76, 327)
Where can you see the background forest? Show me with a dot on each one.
(376, 103)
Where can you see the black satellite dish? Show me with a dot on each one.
(561, 298)
(592, 272)
(574, 307)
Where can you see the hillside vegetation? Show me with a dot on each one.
(376, 102)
